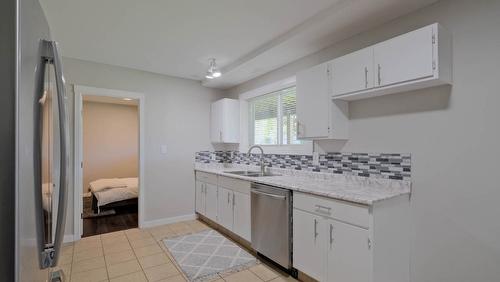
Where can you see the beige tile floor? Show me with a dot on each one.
(139, 255)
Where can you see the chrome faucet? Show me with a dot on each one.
(262, 167)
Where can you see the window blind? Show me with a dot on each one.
(289, 116)
(273, 118)
(265, 119)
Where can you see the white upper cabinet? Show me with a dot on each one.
(404, 58)
(312, 102)
(225, 121)
(415, 60)
(353, 72)
(318, 117)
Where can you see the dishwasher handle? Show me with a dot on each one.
(279, 197)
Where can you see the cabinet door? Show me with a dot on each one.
(211, 201)
(216, 116)
(348, 253)
(230, 121)
(352, 72)
(404, 58)
(313, 102)
(309, 244)
(200, 197)
(225, 208)
(242, 222)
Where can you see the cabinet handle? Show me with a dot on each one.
(379, 77)
(228, 198)
(233, 201)
(331, 235)
(298, 127)
(315, 228)
(323, 209)
(366, 77)
(220, 135)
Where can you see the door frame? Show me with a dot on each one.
(80, 91)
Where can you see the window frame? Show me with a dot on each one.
(306, 148)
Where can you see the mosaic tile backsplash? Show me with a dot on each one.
(391, 166)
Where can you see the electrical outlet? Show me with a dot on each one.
(163, 149)
(315, 158)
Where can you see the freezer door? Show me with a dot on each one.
(32, 27)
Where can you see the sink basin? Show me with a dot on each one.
(251, 173)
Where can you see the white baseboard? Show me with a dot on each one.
(168, 220)
(68, 238)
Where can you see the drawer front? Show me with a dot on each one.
(234, 184)
(347, 212)
(206, 177)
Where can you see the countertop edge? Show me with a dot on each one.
(262, 180)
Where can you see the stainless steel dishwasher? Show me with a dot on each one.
(272, 223)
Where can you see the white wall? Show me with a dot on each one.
(110, 141)
(177, 113)
(452, 133)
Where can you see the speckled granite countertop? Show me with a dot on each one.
(361, 190)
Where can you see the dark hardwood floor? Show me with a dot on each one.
(124, 218)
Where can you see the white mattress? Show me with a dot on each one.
(111, 195)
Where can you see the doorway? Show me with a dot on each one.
(108, 160)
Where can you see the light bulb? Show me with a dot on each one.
(209, 75)
(216, 73)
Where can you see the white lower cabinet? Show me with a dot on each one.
(206, 195)
(242, 222)
(234, 206)
(340, 241)
(309, 244)
(348, 253)
(226, 201)
(211, 201)
(206, 199)
(200, 197)
(225, 214)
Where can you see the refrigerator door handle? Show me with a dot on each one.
(64, 153)
(50, 252)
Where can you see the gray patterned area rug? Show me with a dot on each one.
(204, 255)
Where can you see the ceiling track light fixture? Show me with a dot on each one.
(213, 71)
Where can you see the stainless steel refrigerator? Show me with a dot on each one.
(34, 145)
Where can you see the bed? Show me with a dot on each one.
(113, 192)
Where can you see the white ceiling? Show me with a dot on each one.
(110, 100)
(177, 37)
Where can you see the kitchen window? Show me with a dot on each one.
(273, 118)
